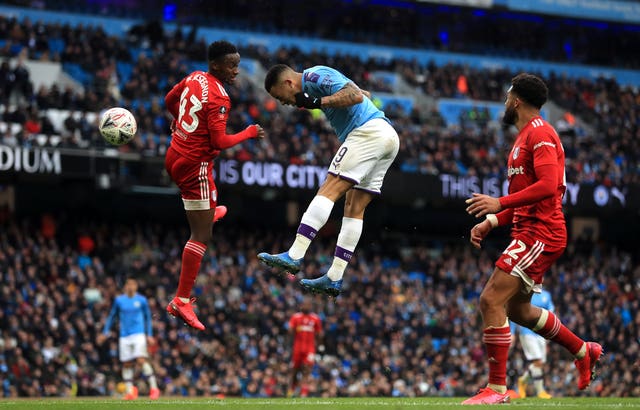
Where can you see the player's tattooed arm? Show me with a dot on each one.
(348, 95)
(366, 93)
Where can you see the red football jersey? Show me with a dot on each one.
(200, 105)
(305, 327)
(538, 144)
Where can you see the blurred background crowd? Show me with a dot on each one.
(408, 322)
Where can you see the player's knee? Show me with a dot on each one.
(487, 302)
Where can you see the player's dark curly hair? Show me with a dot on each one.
(273, 75)
(530, 88)
(219, 49)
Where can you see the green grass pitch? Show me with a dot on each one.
(381, 403)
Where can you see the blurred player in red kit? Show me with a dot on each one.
(306, 329)
(200, 107)
(536, 175)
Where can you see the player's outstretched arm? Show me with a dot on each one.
(221, 140)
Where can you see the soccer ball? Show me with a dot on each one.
(117, 126)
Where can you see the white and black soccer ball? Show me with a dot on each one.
(118, 126)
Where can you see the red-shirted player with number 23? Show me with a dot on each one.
(200, 106)
(533, 207)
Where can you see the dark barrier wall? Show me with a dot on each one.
(271, 180)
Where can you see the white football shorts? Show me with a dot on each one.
(534, 347)
(366, 154)
(132, 347)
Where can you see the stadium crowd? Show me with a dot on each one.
(608, 154)
(406, 324)
(422, 25)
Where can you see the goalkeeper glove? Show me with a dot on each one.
(304, 100)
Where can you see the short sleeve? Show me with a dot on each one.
(322, 81)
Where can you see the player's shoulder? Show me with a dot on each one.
(541, 133)
(539, 126)
(312, 74)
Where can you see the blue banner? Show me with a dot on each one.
(610, 10)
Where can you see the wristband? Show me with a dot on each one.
(493, 220)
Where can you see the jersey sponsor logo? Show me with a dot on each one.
(508, 261)
(515, 171)
(311, 77)
(544, 143)
(516, 152)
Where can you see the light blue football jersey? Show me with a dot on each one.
(133, 313)
(320, 81)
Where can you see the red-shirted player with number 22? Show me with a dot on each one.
(200, 106)
(533, 207)
(306, 329)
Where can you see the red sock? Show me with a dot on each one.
(191, 259)
(497, 341)
(553, 329)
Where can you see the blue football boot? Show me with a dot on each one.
(281, 261)
(322, 285)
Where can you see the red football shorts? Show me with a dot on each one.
(195, 180)
(302, 358)
(528, 260)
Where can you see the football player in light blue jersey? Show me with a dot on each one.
(369, 146)
(132, 310)
(535, 349)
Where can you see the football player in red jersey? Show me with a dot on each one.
(200, 107)
(306, 329)
(536, 175)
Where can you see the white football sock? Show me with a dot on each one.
(313, 219)
(147, 371)
(127, 377)
(348, 238)
(536, 375)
